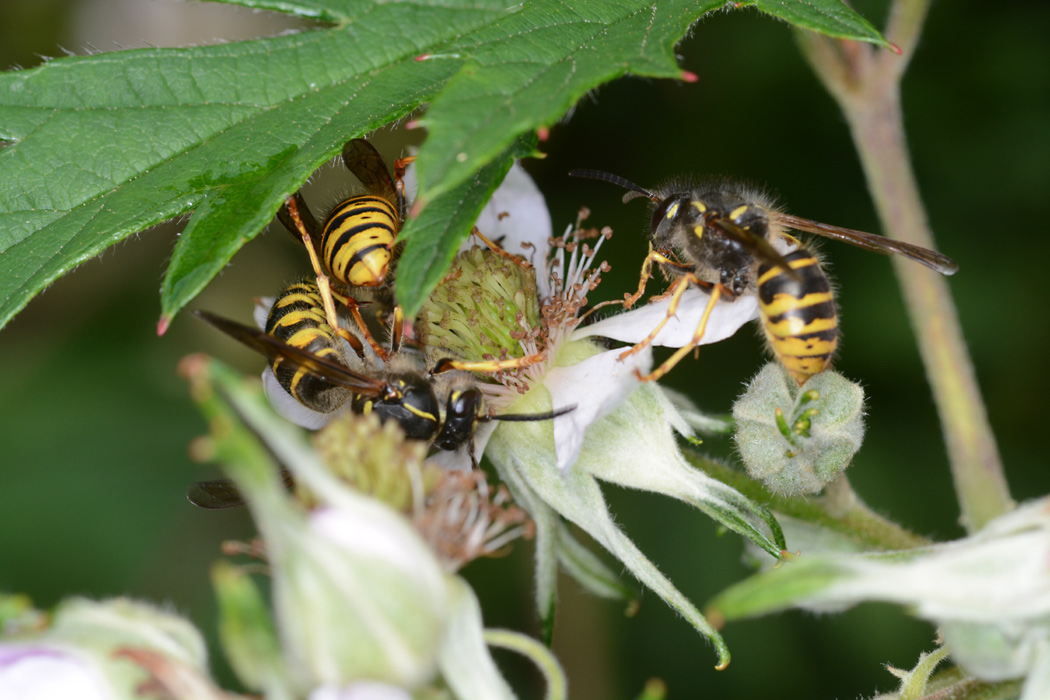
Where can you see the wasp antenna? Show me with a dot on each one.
(616, 180)
(523, 417)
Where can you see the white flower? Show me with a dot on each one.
(620, 429)
(989, 593)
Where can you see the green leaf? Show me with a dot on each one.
(442, 227)
(831, 17)
(528, 69)
(105, 146)
(790, 583)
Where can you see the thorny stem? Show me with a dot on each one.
(866, 83)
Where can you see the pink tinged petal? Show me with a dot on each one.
(362, 690)
(596, 387)
(633, 326)
(42, 673)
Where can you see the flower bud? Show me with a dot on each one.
(797, 439)
(104, 651)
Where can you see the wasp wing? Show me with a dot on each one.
(215, 495)
(275, 348)
(304, 216)
(874, 243)
(363, 160)
(223, 493)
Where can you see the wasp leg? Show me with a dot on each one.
(296, 214)
(495, 248)
(630, 300)
(489, 366)
(677, 290)
(398, 331)
(694, 342)
(400, 165)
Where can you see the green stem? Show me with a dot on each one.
(838, 510)
(866, 85)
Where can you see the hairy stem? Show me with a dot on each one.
(839, 510)
(866, 84)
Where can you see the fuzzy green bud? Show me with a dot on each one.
(373, 458)
(797, 439)
(482, 308)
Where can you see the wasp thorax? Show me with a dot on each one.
(410, 402)
(483, 308)
(797, 439)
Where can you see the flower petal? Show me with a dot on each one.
(596, 386)
(633, 326)
(287, 407)
(517, 217)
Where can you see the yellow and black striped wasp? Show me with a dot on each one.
(356, 245)
(438, 402)
(724, 235)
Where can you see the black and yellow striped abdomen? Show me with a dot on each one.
(357, 240)
(798, 316)
(297, 317)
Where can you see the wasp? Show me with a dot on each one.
(440, 403)
(356, 245)
(728, 237)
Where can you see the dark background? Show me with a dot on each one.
(93, 440)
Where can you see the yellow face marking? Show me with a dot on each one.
(671, 211)
(699, 206)
(739, 211)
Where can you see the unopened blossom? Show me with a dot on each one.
(989, 593)
(105, 650)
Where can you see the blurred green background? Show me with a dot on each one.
(93, 441)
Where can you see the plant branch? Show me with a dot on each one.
(867, 88)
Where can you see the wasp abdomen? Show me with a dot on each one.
(798, 315)
(297, 317)
(357, 240)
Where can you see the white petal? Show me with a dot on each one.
(596, 387)
(517, 214)
(290, 409)
(633, 326)
(261, 311)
